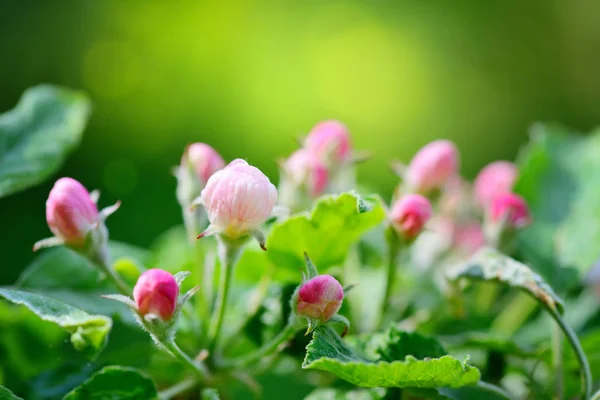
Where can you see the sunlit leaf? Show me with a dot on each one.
(6, 394)
(37, 135)
(115, 383)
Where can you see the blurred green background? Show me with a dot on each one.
(248, 77)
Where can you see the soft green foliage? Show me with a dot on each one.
(6, 394)
(490, 265)
(328, 352)
(210, 394)
(88, 332)
(340, 394)
(492, 342)
(326, 233)
(397, 345)
(115, 383)
(38, 134)
(559, 179)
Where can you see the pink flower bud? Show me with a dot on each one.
(70, 211)
(511, 208)
(320, 298)
(494, 179)
(330, 141)
(156, 292)
(409, 215)
(305, 168)
(204, 160)
(469, 238)
(238, 199)
(432, 166)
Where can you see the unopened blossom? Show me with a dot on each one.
(493, 180)
(238, 200)
(330, 141)
(320, 298)
(409, 215)
(433, 166)
(204, 160)
(469, 237)
(156, 292)
(71, 212)
(511, 209)
(306, 169)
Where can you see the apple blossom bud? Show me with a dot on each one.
(494, 179)
(71, 212)
(409, 215)
(469, 238)
(320, 298)
(330, 141)
(305, 169)
(204, 160)
(238, 200)
(510, 208)
(432, 166)
(156, 292)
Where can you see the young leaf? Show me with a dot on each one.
(326, 234)
(37, 135)
(397, 345)
(490, 265)
(115, 383)
(6, 394)
(328, 352)
(557, 177)
(88, 332)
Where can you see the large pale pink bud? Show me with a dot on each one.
(306, 169)
(409, 215)
(510, 208)
(320, 298)
(469, 238)
(204, 160)
(156, 292)
(433, 166)
(70, 211)
(493, 180)
(330, 141)
(238, 199)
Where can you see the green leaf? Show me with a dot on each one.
(326, 234)
(210, 394)
(397, 345)
(37, 135)
(88, 332)
(340, 394)
(6, 394)
(490, 265)
(115, 383)
(328, 352)
(559, 180)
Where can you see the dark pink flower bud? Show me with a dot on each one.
(511, 208)
(432, 166)
(330, 141)
(494, 179)
(320, 298)
(156, 292)
(204, 160)
(409, 215)
(70, 211)
(306, 169)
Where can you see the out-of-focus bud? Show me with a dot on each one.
(330, 141)
(409, 215)
(70, 212)
(156, 292)
(320, 298)
(305, 169)
(493, 180)
(469, 238)
(238, 200)
(198, 163)
(432, 166)
(511, 209)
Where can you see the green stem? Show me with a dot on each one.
(267, 349)
(488, 387)
(229, 252)
(198, 368)
(596, 396)
(102, 260)
(394, 248)
(177, 389)
(514, 315)
(586, 373)
(557, 355)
